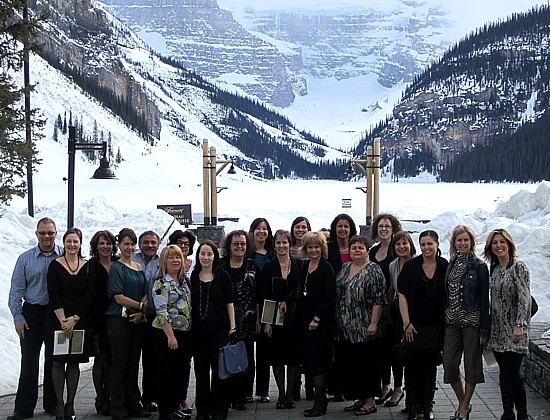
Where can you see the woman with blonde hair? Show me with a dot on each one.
(510, 317)
(466, 316)
(171, 331)
(318, 307)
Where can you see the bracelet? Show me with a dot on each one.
(408, 325)
(232, 328)
(76, 318)
(140, 307)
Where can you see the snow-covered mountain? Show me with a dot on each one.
(92, 49)
(347, 61)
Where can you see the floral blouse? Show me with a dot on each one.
(510, 306)
(355, 300)
(172, 303)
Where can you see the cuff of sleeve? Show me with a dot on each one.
(18, 319)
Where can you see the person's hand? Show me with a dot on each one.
(410, 331)
(258, 326)
(483, 340)
(21, 328)
(67, 325)
(172, 343)
(313, 325)
(517, 334)
(268, 330)
(372, 329)
(282, 307)
(137, 317)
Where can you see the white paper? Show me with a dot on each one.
(489, 356)
(280, 318)
(269, 311)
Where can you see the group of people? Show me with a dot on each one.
(346, 315)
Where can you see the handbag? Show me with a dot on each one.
(232, 360)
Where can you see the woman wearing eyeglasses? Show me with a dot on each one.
(384, 227)
(510, 318)
(186, 241)
(242, 271)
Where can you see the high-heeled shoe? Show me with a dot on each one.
(317, 412)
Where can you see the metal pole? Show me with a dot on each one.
(70, 197)
(206, 182)
(369, 185)
(376, 189)
(213, 187)
(28, 127)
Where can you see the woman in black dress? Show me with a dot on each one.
(384, 226)
(281, 283)
(103, 249)
(317, 319)
(242, 271)
(71, 293)
(422, 299)
(212, 320)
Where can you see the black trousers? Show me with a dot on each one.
(172, 366)
(148, 363)
(27, 389)
(421, 375)
(126, 340)
(511, 384)
(212, 395)
(263, 368)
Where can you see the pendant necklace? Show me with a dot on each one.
(203, 303)
(69, 267)
(305, 284)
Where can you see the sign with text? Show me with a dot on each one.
(346, 203)
(180, 212)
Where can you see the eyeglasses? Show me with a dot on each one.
(384, 226)
(236, 244)
(184, 244)
(44, 233)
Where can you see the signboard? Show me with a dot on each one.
(180, 212)
(346, 203)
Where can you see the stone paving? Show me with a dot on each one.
(486, 403)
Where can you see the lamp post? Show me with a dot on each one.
(210, 188)
(370, 167)
(103, 172)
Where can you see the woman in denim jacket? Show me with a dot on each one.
(467, 318)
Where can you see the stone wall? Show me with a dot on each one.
(536, 365)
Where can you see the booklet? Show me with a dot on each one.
(65, 345)
(271, 313)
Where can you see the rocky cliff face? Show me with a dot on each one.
(84, 37)
(209, 41)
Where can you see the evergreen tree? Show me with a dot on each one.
(17, 35)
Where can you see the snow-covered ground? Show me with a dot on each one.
(523, 209)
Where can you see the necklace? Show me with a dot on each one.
(203, 303)
(305, 284)
(69, 266)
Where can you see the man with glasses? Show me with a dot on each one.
(147, 255)
(28, 303)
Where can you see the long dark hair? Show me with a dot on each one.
(432, 234)
(352, 227)
(294, 223)
(216, 263)
(102, 234)
(78, 233)
(269, 240)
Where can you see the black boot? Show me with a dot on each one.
(507, 400)
(429, 403)
(520, 399)
(413, 413)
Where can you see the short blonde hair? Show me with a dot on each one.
(314, 238)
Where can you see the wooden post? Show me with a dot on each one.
(213, 188)
(376, 186)
(206, 182)
(369, 185)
